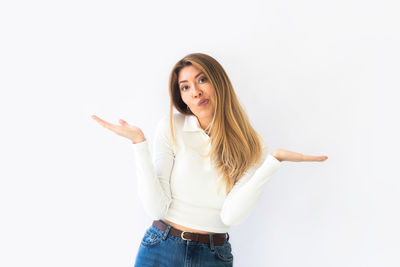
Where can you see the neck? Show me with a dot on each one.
(204, 122)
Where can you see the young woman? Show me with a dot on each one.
(208, 143)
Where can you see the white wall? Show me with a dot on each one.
(316, 77)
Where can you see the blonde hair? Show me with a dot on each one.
(235, 145)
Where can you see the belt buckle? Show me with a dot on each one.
(183, 237)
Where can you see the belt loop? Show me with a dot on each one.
(211, 242)
(165, 234)
(227, 239)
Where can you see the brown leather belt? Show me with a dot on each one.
(218, 239)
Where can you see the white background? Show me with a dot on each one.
(315, 77)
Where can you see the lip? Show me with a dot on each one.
(203, 102)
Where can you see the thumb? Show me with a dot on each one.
(122, 122)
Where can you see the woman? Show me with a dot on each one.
(208, 143)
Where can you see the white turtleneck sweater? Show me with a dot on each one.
(180, 185)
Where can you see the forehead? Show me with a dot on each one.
(188, 72)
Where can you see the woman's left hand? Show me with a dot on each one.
(286, 155)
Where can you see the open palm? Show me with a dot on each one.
(286, 155)
(131, 132)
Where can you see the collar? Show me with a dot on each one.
(191, 124)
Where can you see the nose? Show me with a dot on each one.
(196, 92)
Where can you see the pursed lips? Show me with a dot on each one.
(202, 102)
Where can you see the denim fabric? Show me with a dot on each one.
(160, 249)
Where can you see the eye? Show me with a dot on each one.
(203, 78)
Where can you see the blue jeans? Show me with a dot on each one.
(161, 249)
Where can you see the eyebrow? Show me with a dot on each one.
(194, 77)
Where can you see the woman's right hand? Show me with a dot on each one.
(131, 132)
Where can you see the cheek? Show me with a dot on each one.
(211, 91)
(185, 100)
(212, 94)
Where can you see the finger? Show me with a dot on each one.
(100, 121)
(105, 124)
(314, 158)
(322, 158)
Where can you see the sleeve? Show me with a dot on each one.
(246, 193)
(153, 176)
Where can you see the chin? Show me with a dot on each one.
(204, 114)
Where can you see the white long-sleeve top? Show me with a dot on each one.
(180, 185)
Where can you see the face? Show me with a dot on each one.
(194, 87)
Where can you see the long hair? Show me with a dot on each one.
(235, 145)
